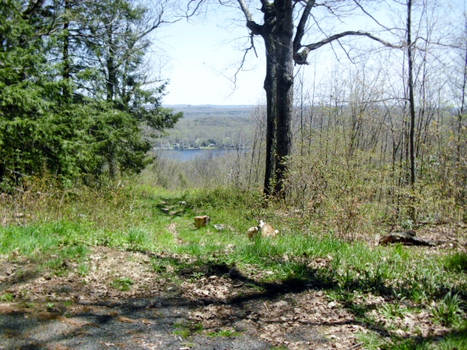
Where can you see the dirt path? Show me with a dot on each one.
(161, 323)
(206, 308)
(137, 324)
(129, 300)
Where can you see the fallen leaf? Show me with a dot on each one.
(126, 319)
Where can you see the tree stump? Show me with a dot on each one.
(201, 221)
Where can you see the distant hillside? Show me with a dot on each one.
(196, 111)
(210, 125)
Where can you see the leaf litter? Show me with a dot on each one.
(77, 308)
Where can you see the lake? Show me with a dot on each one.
(192, 154)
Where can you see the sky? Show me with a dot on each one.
(199, 58)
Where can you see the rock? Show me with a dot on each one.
(201, 221)
(267, 230)
(281, 304)
(252, 232)
(407, 238)
(244, 326)
(219, 227)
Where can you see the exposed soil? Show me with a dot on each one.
(196, 307)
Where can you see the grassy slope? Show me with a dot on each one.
(56, 227)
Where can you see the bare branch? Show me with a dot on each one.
(346, 52)
(245, 10)
(370, 15)
(300, 57)
(156, 24)
(255, 28)
(242, 63)
(301, 25)
(192, 12)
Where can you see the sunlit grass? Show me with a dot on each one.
(134, 217)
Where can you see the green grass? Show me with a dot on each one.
(186, 329)
(134, 217)
(227, 333)
(137, 223)
(453, 341)
(456, 262)
(449, 311)
(7, 297)
(53, 244)
(123, 284)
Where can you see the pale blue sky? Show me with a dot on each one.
(199, 57)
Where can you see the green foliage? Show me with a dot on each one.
(456, 262)
(448, 311)
(50, 125)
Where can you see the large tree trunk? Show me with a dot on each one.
(284, 47)
(284, 94)
(111, 79)
(278, 84)
(270, 85)
(460, 115)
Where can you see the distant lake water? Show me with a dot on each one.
(192, 154)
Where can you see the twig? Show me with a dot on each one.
(355, 346)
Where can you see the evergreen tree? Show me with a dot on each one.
(90, 119)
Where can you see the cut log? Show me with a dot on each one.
(407, 238)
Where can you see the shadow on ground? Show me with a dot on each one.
(164, 320)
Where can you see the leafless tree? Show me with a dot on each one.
(283, 30)
(410, 85)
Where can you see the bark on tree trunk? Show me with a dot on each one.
(111, 68)
(460, 115)
(411, 94)
(279, 96)
(66, 52)
(111, 79)
(271, 111)
(284, 116)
